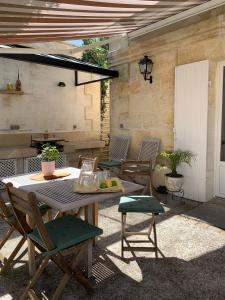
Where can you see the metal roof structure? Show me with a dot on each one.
(65, 62)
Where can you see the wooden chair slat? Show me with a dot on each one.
(7, 217)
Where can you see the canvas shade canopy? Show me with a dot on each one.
(27, 21)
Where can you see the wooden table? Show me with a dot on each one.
(59, 194)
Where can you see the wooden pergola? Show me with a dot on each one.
(26, 21)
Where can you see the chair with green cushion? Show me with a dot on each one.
(7, 215)
(139, 204)
(118, 149)
(56, 240)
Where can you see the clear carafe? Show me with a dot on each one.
(86, 177)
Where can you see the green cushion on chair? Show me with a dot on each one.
(138, 204)
(66, 232)
(109, 164)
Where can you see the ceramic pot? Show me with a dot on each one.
(158, 175)
(48, 167)
(174, 184)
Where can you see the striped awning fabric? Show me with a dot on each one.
(23, 21)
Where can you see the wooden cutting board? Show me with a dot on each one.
(57, 174)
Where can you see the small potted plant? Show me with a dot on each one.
(174, 181)
(49, 154)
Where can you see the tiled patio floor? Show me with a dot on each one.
(194, 266)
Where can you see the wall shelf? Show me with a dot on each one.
(13, 92)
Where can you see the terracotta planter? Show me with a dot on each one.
(174, 184)
(47, 167)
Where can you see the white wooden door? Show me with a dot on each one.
(190, 124)
(220, 134)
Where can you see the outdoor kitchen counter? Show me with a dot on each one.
(71, 146)
(17, 152)
(26, 151)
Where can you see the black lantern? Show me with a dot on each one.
(146, 65)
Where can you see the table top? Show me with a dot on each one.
(58, 193)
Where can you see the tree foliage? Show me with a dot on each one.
(98, 56)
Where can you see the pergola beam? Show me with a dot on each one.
(59, 51)
(115, 17)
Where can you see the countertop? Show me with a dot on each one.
(26, 151)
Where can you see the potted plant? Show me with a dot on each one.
(49, 154)
(174, 181)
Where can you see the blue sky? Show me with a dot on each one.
(75, 42)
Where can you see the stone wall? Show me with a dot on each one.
(45, 106)
(144, 109)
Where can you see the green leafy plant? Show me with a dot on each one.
(175, 158)
(49, 152)
(98, 56)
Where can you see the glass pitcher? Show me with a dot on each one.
(86, 177)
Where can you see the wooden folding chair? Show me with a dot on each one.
(118, 149)
(135, 168)
(7, 215)
(55, 240)
(140, 204)
(144, 163)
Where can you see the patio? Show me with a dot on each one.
(193, 267)
(141, 94)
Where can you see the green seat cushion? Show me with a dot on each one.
(66, 232)
(138, 204)
(109, 164)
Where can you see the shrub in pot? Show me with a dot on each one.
(174, 181)
(49, 154)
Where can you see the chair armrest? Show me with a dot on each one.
(135, 162)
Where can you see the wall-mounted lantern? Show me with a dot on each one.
(146, 65)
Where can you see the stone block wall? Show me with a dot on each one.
(45, 106)
(140, 109)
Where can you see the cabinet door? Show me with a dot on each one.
(190, 124)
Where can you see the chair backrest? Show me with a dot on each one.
(149, 149)
(4, 211)
(118, 147)
(25, 204)
(83, 158)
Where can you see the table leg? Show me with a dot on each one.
(31, 251)
(95, 219)
(88, 218)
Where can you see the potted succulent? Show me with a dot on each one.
(174, 181)
(49, 154)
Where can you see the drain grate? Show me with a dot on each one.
(101, 273)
